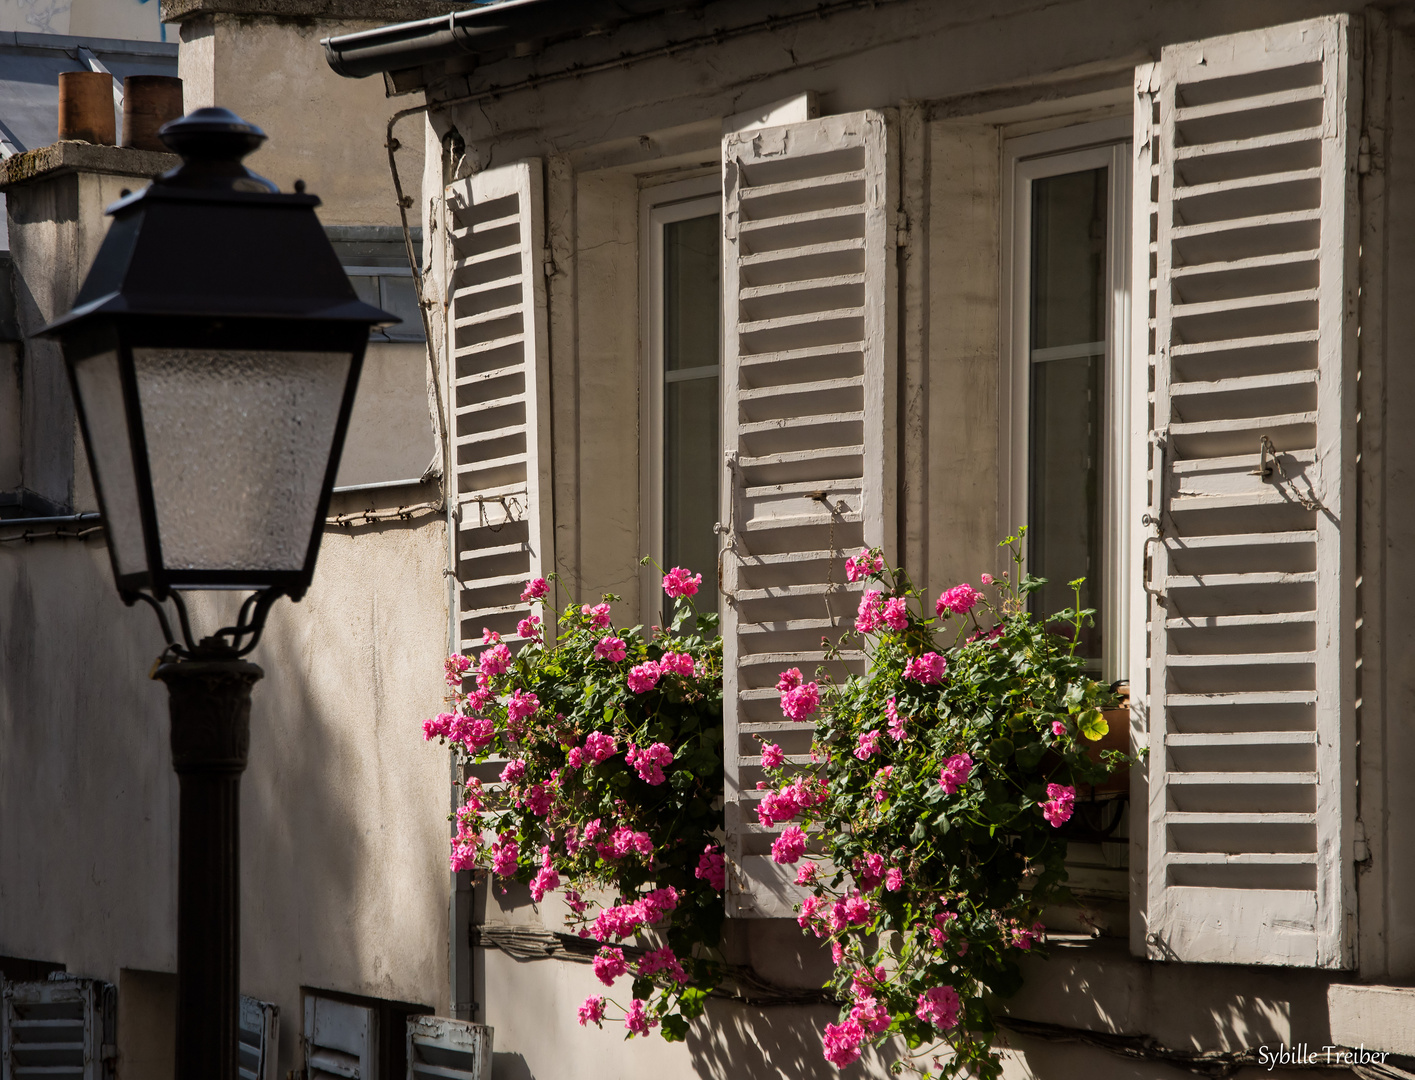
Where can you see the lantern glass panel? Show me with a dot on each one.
(100, 391)
(238, 442)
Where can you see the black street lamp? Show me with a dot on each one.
(213, 352)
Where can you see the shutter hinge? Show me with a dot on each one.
(901, 232)
(547, 261)
(1363, 156)
(1360, 849)
(108, 1052)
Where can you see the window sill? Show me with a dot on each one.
(1378, 1018)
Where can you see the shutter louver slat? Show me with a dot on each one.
(258, 1037)
(809, 294)
(498, 394)
(340, 1039)
(58, 1027)
(1250, 259)
(442, 1049)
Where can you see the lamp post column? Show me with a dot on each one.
(210, 703)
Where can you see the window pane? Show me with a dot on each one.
(1065, 513)
(1068, 308)
(399, 296)
(691, 311)
(692, 454)
(690, 468)
(1068, 259)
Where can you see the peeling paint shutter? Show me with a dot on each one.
(442, 1049)
(258, 1039)
(808, 429)
(340, 1040)
(63, 1027)
(498, 397)
(1251, 648)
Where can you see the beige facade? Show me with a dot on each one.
(343, 832)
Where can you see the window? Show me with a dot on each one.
(376, 260)
(683, 315)
(1067, 381)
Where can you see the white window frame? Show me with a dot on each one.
(660, 205)
(1102, 144)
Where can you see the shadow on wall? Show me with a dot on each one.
(735, 1040)
(510, 1067)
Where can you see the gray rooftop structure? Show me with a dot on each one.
(30, 65)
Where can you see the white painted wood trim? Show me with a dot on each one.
(1072, 149)
(523, 180)
(779, 489)
(659, 206)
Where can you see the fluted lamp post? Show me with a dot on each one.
(213, 353)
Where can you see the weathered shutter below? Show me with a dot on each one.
(498, 397)
(258, 1039)
(63, 1027)
(340, 1039)
(1249, 153)
(809, 362)
(442, 1049)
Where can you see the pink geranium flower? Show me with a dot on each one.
(772, 756)
(609, 964)
(800, 702)
(896, 613)
(600, 746)
(939, 1006)
(712, 868)
(928, 668)
(869, 614)
(637, 1020)
(643, 677)
(862, 566)
(592, 1011)
(866, 744)
(610, 647)
(535, 589)
(896, 722)
(789, 846)
(677, 582)
(676, 663)
(529, 627)
(649, 762)
(955, 772)
(959, 600)
(495, 660)
(1057, 809)
(598, 615)
(513, 772)
(521, 705)
(842, 1042)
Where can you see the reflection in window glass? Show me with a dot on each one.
(1068, 350)
(691, 436)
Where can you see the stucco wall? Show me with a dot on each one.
(323, 129)
(344, 872)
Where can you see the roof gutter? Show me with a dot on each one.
(490, 29)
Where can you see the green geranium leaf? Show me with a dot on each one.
(1093, 724)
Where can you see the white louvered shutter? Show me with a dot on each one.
(63, 1027)
(341, 1040)
(808, 428)
(1247, 150)
(443, 1049)
(498, 397)
(258, 1039)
